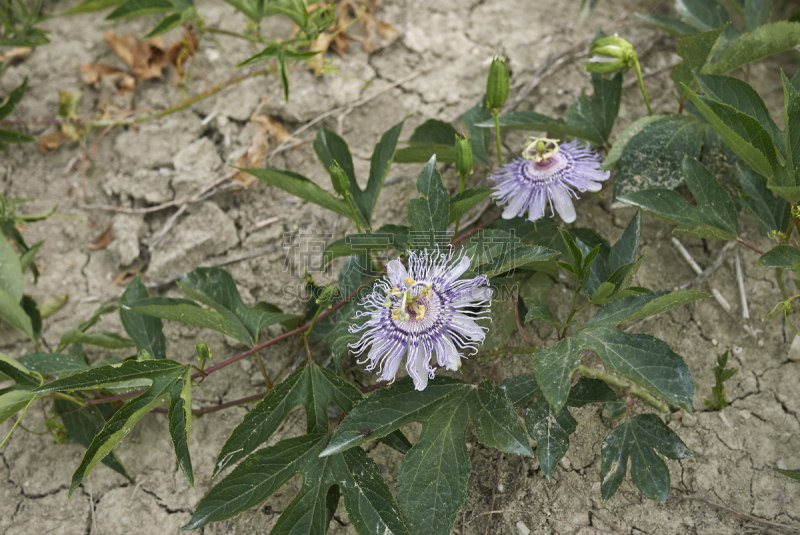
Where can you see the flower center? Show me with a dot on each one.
(540, 149)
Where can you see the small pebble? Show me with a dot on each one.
(523, 529)
(714, 342)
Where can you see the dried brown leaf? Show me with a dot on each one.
(146, 59)
(256, 155)
(124, 278)
(92, 73)
(179, 53)
(102, 241)
(321, 45)
(51, 141)
(15, 55)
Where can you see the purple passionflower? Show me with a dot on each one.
(420, 311)
(547, 173)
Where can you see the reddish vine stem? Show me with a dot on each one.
(206, 410)
(753, 247)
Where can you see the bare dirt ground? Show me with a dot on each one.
(442, 53)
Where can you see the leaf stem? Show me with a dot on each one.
(646, 396)
(496, 114)
(641, 83)
(753, 247)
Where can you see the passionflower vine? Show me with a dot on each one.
(421, 311)
(547, 173)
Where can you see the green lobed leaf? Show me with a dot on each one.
(773, 213)
(381, 161)
(695, 52)
(370, 506)
(383, 239)
(637, 439)
(756, 13)
(312, 387)
(430, 212)
(551, 430)
(15, 315)
(539, 311)
(787, 183)
(168, 380)
(11, 278)
(653, 158)
(432, 479)
(596, 117)
(781, 256)
(300, 186)
(145, 331)
(536, 122)
(666, 302)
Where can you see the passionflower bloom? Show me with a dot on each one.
(421, 311)
(547, 173)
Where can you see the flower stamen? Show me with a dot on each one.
(545, 148)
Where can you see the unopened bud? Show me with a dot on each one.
(497, 84)
(203, 353)
(341, 184)
(325, 299)
(610, 54)
(463, 155)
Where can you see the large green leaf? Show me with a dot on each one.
(169, 380)
(536, 122)
(432, 479)
(674, 27)
(461, 203)
(300, 186)
(641, 358)
(596, 117)
(714, 216)
(312, 387)
(55, 364)
(741, 95)
(703, 14)
(551, 431)
(145, 331)
(695, 51)
(653, 157)
(787, 183)
(215, 288)
(637, 438)
(762, 42)
(371, 508)
(428, 215)
(385, 238)
(781, 256)
(744, 134)
(381, 161)
(613, 156)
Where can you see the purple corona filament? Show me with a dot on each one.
(547, 174)
(420, 312)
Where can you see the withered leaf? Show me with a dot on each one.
(102, 241)
(256, 155)
(92, 73)
(144, 58)
(51, 141)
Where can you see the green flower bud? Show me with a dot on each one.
(325, 299)
(497, 85)
(341, 184)
(610, 54)
(463, 156)
(203, 353)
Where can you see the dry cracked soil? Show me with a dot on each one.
(439, 60)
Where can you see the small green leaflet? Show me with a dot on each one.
(596, 117)
(431, 137)
(637, 438)
(721, 374)
(429, 213)
(170, 380)
(715, 215)
(385, 238)
(613, 156)
(644, 359)
(104, 339)
(773, 213)
(461, 203)
(781, 256)
(794, 474)
(551, 431)
(214, 288)
(431, 486)
(145, 331)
